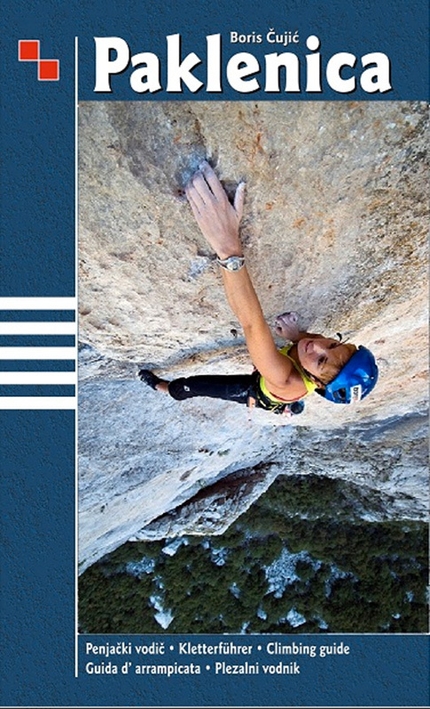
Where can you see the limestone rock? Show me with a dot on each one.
(335, 227)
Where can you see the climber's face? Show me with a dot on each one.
(323, 357)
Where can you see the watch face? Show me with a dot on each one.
(234, 263)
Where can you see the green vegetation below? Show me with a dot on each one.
(344, 575)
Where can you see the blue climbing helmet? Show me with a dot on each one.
(355, 380)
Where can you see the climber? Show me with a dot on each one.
(338, 371)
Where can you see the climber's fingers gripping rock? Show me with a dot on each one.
(217, 218)
(286, 325)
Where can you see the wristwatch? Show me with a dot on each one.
(232, 263)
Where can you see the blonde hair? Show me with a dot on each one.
(332, 370)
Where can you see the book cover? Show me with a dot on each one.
(201, 553)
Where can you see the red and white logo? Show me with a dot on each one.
(29, 51)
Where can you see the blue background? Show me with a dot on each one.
(38, 259)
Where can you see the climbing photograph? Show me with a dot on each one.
(253, 367)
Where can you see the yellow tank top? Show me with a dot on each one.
(309, 384)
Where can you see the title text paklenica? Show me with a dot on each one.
(274, 72)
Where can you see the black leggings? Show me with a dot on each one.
(236, 387)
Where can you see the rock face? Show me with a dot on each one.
(335, 228)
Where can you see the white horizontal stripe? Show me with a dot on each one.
(38, 328)
(37, 402)
(38, 303)
(37, 353)
(38, 378)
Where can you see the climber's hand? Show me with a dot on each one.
(217, 218)
(286, 325)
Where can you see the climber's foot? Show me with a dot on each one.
(149, 378)
(297, 407)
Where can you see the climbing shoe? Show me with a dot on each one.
(145, 375)
(296, 407)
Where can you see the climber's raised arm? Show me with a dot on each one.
(219, 222)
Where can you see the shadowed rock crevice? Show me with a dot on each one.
(164, 141)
